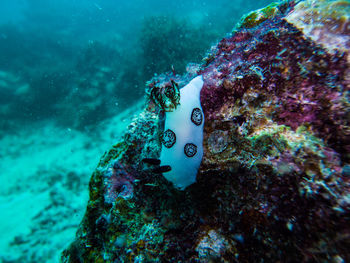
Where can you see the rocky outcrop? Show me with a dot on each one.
(273, 184)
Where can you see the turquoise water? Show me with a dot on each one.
(72, 75)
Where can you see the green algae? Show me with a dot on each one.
(256, 17)
(113, 153)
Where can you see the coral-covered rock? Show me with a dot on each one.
(326, 22)
(273, 185)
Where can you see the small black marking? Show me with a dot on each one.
(152, 161)
(197, 116)
(238, 120)
(162, 169)
(169, 138)
(190, 149)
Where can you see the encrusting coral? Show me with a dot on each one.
(273, 184)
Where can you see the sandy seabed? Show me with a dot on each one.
(44, 175)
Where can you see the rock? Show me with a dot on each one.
(273, 184)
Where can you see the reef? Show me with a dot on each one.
(274, 182)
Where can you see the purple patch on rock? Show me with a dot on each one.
(118, 182)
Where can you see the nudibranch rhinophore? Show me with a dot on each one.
(182, 143)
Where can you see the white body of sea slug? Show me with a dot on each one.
(182, 147)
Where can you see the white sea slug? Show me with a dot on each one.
(182, 147)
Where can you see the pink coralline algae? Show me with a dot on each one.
(291, 79)
(118, 183)
(274, 182)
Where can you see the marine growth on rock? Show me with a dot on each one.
(274, 181)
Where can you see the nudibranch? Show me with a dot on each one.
(182, 142)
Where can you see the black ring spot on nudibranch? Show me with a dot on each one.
(190, 149)
(169, 138)
(197, 116)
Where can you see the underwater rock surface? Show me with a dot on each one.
(273, 185)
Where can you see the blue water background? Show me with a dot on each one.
(56, 48)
